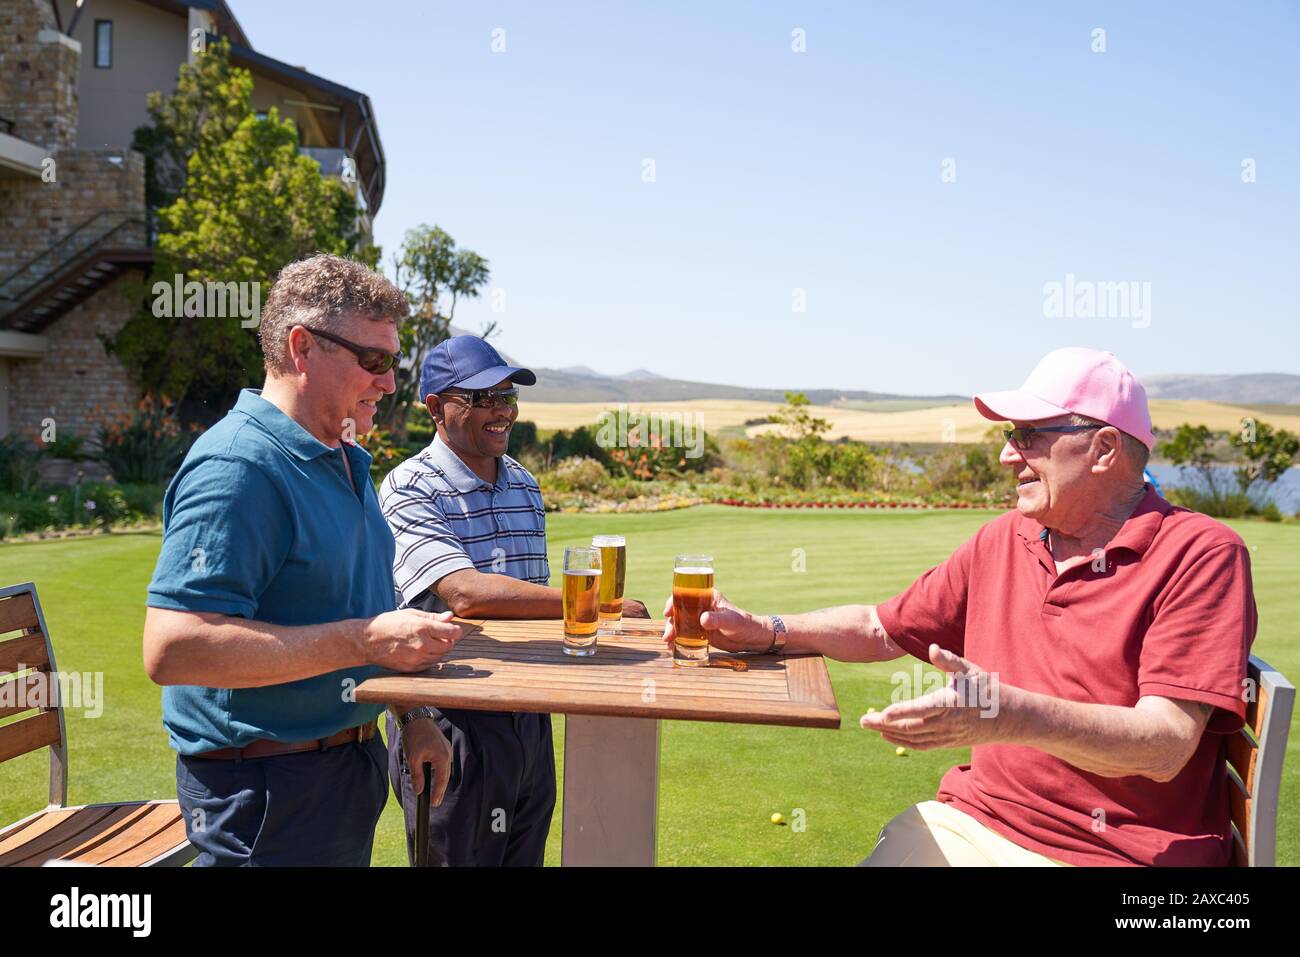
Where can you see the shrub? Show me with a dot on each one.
(575, 475)
(384, 455)
(523, 440)
(579, 443)
(1217, 505)
(144, 500)
(146, 445)
(19, 465)
(67, 447)
(419, 425)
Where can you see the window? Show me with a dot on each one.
(103, 44)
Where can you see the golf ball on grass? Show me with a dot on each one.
(777, 818)
(900, 751)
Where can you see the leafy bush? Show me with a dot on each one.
(962, 471)
(523, 439)
(1219, 504)
(578, 474)
(579, 443)
(91, 504)
(67, 446)
(419, 426)
(144, 500)
(384, 455)
(19, 465)
(146, 445)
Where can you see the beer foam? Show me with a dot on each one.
(688, 570)
(588, 572)
(607, 541)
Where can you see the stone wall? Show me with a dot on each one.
(75, 382)
(38, 74)
(76, 379)
(35, 214)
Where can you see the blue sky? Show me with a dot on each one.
(821, 171)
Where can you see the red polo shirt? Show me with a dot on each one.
(1172, 614)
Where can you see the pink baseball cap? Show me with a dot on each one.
(1079, 381)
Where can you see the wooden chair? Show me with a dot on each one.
(137, 834)
(1254, 755)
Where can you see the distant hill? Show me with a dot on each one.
(1277, 388)
(581, 384)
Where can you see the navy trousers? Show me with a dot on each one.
(310, 809)
(497, 809)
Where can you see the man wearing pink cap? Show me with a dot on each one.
(1095, 640)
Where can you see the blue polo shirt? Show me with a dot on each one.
(445, 518)
(261, 522)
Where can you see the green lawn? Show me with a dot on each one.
(719, 784)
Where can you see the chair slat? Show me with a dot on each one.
(153, 819)
(49, 822)
(1257, 711)
(170, 838)
(38, 731)
(18, 612)
(1239, 805)
(28, 692)
(27, 651)
(76, 831)
(1242, 754)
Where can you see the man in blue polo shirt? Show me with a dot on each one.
(471, 536)
(273, 593)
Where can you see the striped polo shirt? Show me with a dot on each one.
(445, 518)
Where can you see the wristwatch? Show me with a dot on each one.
(778, 636)
(415, 714)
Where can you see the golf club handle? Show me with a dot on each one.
(422, 818)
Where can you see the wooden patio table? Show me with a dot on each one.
(613, 702)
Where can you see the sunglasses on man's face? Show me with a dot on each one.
(374, 361)
(487, 398)
(1023, 438)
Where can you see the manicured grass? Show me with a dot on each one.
(719, 784)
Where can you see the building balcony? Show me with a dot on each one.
(339, 163)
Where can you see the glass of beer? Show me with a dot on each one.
(581, 596)
(613, 569)
(692, 596)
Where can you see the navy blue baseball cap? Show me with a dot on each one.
(467, 362)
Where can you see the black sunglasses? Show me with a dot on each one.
(374, 361)
(487, 398)
(1023, 437)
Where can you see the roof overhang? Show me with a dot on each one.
(226, 22)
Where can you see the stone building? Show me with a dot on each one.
(74, 231)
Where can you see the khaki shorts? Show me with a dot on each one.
(931, 834)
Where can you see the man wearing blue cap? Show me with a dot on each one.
(470, 529)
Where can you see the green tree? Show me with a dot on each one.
(798, 419)
(1268, 452)
(435, 276)
(1192, 447)
(249, 203)
(211, 99)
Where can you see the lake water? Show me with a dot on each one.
(1285, 491)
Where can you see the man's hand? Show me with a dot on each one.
(634, 609)
(409, 639)
(423, 740)
(730, 628)
(963, 713)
